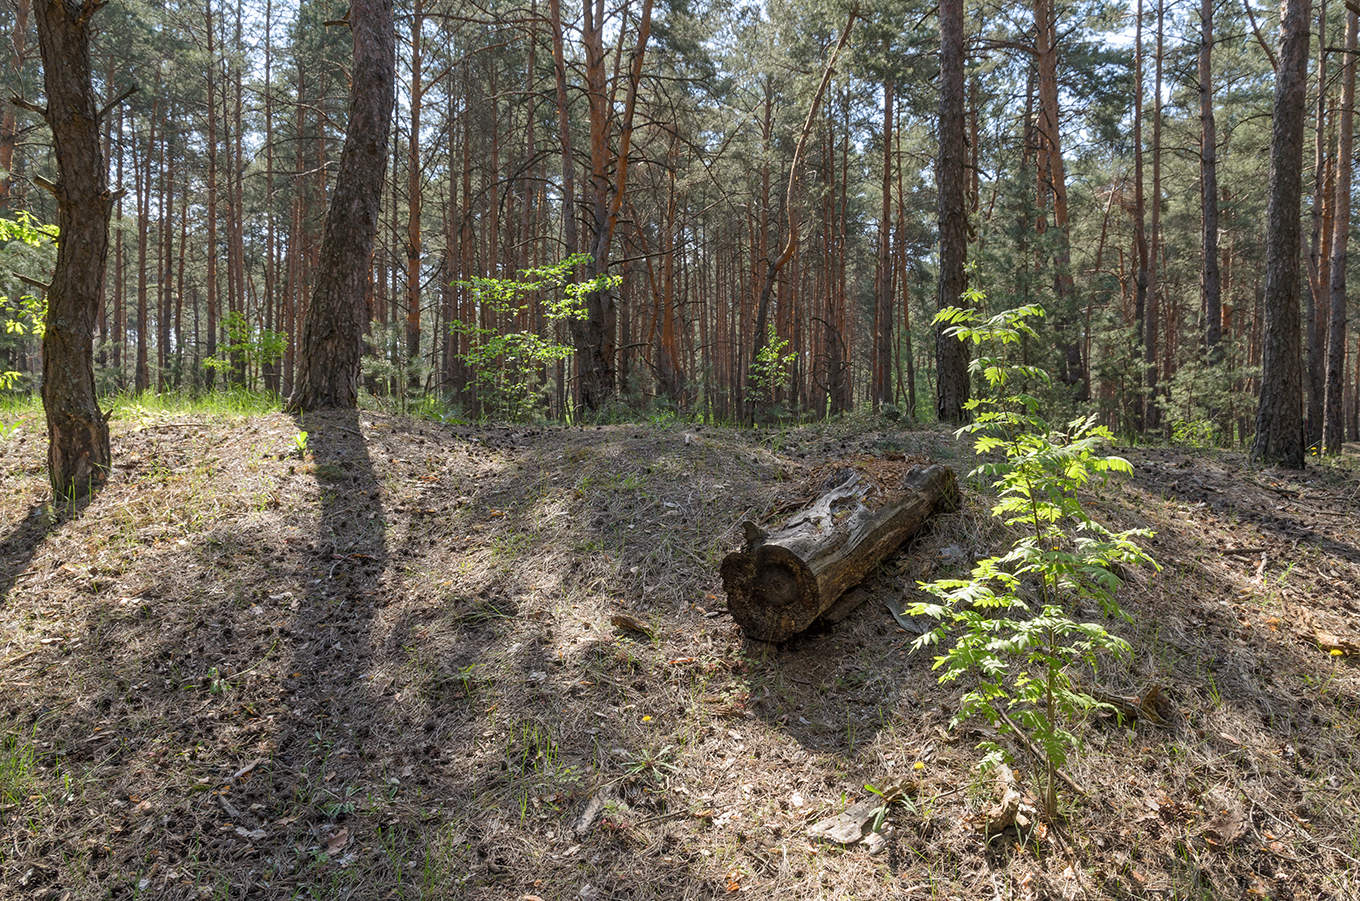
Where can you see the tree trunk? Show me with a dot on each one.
(1140, 246)
(333, 327)
(1152, 413)
(1053, 183)
(414, 244)
(210, 253)
(951, 356)
(883, 343)
(1333, 431)
(78, 454)
(1210, 282)
(781, 582)
(1318, 248)
(1279, 421)
(9, 124)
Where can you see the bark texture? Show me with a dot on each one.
(333, 327)
(78, 454)
(1333, 419)
(1279, 418)
(780, 583)
(951, 357)
(1211, 284)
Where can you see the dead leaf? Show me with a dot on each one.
(849, 827)
(338, 841)
(625, 623)
(1227, 826)
(1334, 644)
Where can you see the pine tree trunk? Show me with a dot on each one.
(1053, 179)
(210, 252)
(9, 130)
(1318, 247)
(1333, 431)
(1279, 421)
(1210, 282)
(333, 327)
(414, 244)
(883, 343)
(950, 354)
(78, 453)
(1152, 411)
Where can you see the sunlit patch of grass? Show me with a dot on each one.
(18, 758)
(231, 402)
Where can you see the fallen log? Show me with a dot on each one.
(782, 581)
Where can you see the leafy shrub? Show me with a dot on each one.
(770, 368)
(508, 366)
(1012, 620)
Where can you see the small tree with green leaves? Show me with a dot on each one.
(248, 345)
(770, 368)
(507, 365)
(23, 241)
(1012, 623)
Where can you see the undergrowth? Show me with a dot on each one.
(1011, 625)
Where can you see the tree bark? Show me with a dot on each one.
(414, 244)
(883, 343)
(1140, 246)
(1318, 248)
(333, 327)
(1053, 183)
(78, 453)
(1279, 420)
(9, 123)
(210, 252)
(781, 582)
(1210, 282)
(1152, 412)
(951, 357)
(1333, 418)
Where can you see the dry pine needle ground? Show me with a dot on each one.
(392, 666)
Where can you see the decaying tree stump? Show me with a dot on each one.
(781, 582)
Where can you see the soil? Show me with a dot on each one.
(402, 659)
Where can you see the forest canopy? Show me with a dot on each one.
(692, 152)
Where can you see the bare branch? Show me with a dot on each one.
(114, 102)
(28, 105)
(33, 282)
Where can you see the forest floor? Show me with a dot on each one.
(405, 662)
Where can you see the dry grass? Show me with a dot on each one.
(387, 668)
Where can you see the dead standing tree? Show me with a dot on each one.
(78, 455)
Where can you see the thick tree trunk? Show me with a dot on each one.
(333, 328)
(781, 582)
(951, 357)
(78, 454)
(1333, 419)
(1279, 419)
